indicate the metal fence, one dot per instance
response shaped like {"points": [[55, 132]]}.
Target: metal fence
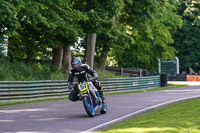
{"points": [[133, 83], [31, 90]]}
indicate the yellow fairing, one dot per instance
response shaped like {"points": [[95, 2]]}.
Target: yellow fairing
{"points": [[83, 87]]}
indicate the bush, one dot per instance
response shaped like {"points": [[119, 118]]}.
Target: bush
{"points": [[15, 71]]}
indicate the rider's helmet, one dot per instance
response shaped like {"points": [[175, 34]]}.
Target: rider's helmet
{"points": [[76, 63]]}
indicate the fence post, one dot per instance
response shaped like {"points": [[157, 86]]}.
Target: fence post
{"points": [[177, 65], [140, 72], [159, 66], [122, 73]]}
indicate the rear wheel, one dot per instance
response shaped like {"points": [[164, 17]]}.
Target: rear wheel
{"points": [[87, 103]]}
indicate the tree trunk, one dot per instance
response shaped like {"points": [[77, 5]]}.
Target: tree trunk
{"points": [[103, 57], [104, 53], [57, 57], [90, 48], [66, 59]]}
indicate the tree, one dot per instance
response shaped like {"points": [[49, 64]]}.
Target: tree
{"points": [[187, 38], [109, 40], [45, 25], [8, 12], [135, 32], [100, 14], [150, 25], [9, 21]]}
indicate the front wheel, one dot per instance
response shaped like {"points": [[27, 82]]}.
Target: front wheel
{"points": [[103, 109], [87, 103]]}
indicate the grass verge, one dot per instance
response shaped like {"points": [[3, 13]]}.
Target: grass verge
{"points": [[31, 101], [180, 117]]}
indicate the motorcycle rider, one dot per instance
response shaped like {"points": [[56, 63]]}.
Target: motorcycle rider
{"points": [[80, 72]]}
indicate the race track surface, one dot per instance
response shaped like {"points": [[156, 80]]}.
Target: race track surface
{"points": [[64, 116]]}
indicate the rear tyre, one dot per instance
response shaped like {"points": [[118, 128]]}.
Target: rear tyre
{"points": [[87, 103]]}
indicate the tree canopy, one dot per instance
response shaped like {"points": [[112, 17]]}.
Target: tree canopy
{"points": [[187, 38], [133, 33], [147, 28]]}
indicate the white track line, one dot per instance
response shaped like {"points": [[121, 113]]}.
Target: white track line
{"points": [[135, 113]]}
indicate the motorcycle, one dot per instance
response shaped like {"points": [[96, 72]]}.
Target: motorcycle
{"points": [[92, 100]]}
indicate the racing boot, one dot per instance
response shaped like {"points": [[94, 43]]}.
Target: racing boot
{"points": [[102, 96]]}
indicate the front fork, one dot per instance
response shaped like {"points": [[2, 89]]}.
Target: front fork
{"points": [[96, 96], [92, 94]]}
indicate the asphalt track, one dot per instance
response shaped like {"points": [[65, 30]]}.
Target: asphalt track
{"points": [[64, 116]]}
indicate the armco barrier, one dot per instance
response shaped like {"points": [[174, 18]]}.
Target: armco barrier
{"points": [[133, 83], [30, 90]]}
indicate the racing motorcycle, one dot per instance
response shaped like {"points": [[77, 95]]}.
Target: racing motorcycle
{"points": [[92, 100]]}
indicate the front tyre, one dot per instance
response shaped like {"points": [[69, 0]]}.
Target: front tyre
{"points": [[103, 109], [87, 103]]}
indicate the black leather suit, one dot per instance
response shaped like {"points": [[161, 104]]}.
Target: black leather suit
{"points": [[81, 75]]}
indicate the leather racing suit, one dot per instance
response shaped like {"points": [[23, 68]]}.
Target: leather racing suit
{"points": [[81, 75]]}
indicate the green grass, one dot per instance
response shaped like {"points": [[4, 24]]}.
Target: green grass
{"points": [[107, 74], [31, 101], [180, 117]]}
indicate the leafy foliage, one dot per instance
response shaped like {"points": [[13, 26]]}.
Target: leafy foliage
{"points": [[37, 71], [44, 25], [135, 33], [187, 38], [8, 12], [149, 24], [99, 14], [32, 71]]}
